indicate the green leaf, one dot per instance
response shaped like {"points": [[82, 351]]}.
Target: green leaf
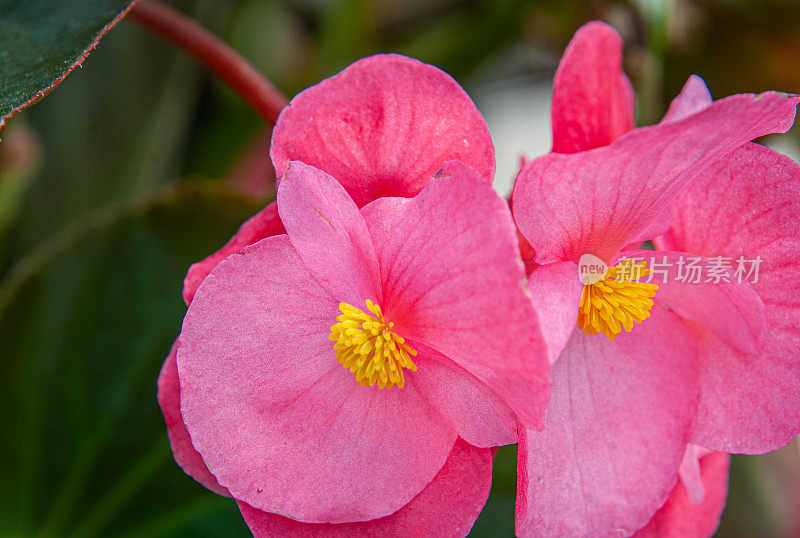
{"points": [[85, 323], [41, 41], [112, 130], [497, 518]]}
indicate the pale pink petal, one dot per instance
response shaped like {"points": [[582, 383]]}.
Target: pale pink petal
{"points": [[745, 206], [660, 225], [328, 232], [383, 127], [169, 399], [593, 101], [263, 224], [693, 97], [478, 415], [447, 507], [690, 476], [453, 280], [277, 420], [730, 309], [615, 432], [680, 517], [598, 201], [746, 400], [556, 293]]}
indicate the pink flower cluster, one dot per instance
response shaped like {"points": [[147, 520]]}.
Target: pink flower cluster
{"points": [[351, 357]]}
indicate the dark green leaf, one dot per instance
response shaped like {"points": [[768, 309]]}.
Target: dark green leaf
{"points": [[41, 41], [497, 518], [85, 323]]}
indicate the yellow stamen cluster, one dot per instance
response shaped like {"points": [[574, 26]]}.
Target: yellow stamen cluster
{"points": [[617, 301], [367, 347]]}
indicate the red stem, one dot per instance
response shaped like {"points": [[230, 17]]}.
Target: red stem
{"points": [[214, 53]]}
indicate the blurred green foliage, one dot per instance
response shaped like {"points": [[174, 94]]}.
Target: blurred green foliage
{"points": [[91, 271], [86, 319]]}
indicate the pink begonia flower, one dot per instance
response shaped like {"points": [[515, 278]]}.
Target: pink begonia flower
{"points": [[288, 429], [436, 121], [447, 506], [714, 364], [695, 505], [383, 127]]}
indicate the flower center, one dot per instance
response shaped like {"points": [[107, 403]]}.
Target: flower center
{"points": [[367, 347], [617, 301]]}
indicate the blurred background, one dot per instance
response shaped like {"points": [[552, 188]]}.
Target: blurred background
{"points": [[140, 163]]}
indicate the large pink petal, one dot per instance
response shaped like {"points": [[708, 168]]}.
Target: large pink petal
{"points": [[615, 432], [745, 206], [277, 420], [730, 309], [452, 279], [448, 506], [328, 232], [556, 293], [748, 402], [600, 200], [693, 97], [169, 399], [263, 224], [383, 127], [593, 101], [680, 517], [478, 415]]}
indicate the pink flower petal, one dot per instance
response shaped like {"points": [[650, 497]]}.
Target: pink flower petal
{"points": [[680, 517], [693, 97], [453, 280], [527, 253], [747, 401], [745, 206], [169, 399], [731, 310], [690, 476], [593, 101], [615, 432], [478, 415], [597, 201], [659, 226], [263, 224], [383, 127], [448, 506], [556, 293], [329, 234], [277, 420]]}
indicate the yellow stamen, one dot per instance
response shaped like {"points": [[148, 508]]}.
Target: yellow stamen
{"points": [[367, 346], [617, 301]]}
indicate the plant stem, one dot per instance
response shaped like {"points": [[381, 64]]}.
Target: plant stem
{"points": [[188, 35]]}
